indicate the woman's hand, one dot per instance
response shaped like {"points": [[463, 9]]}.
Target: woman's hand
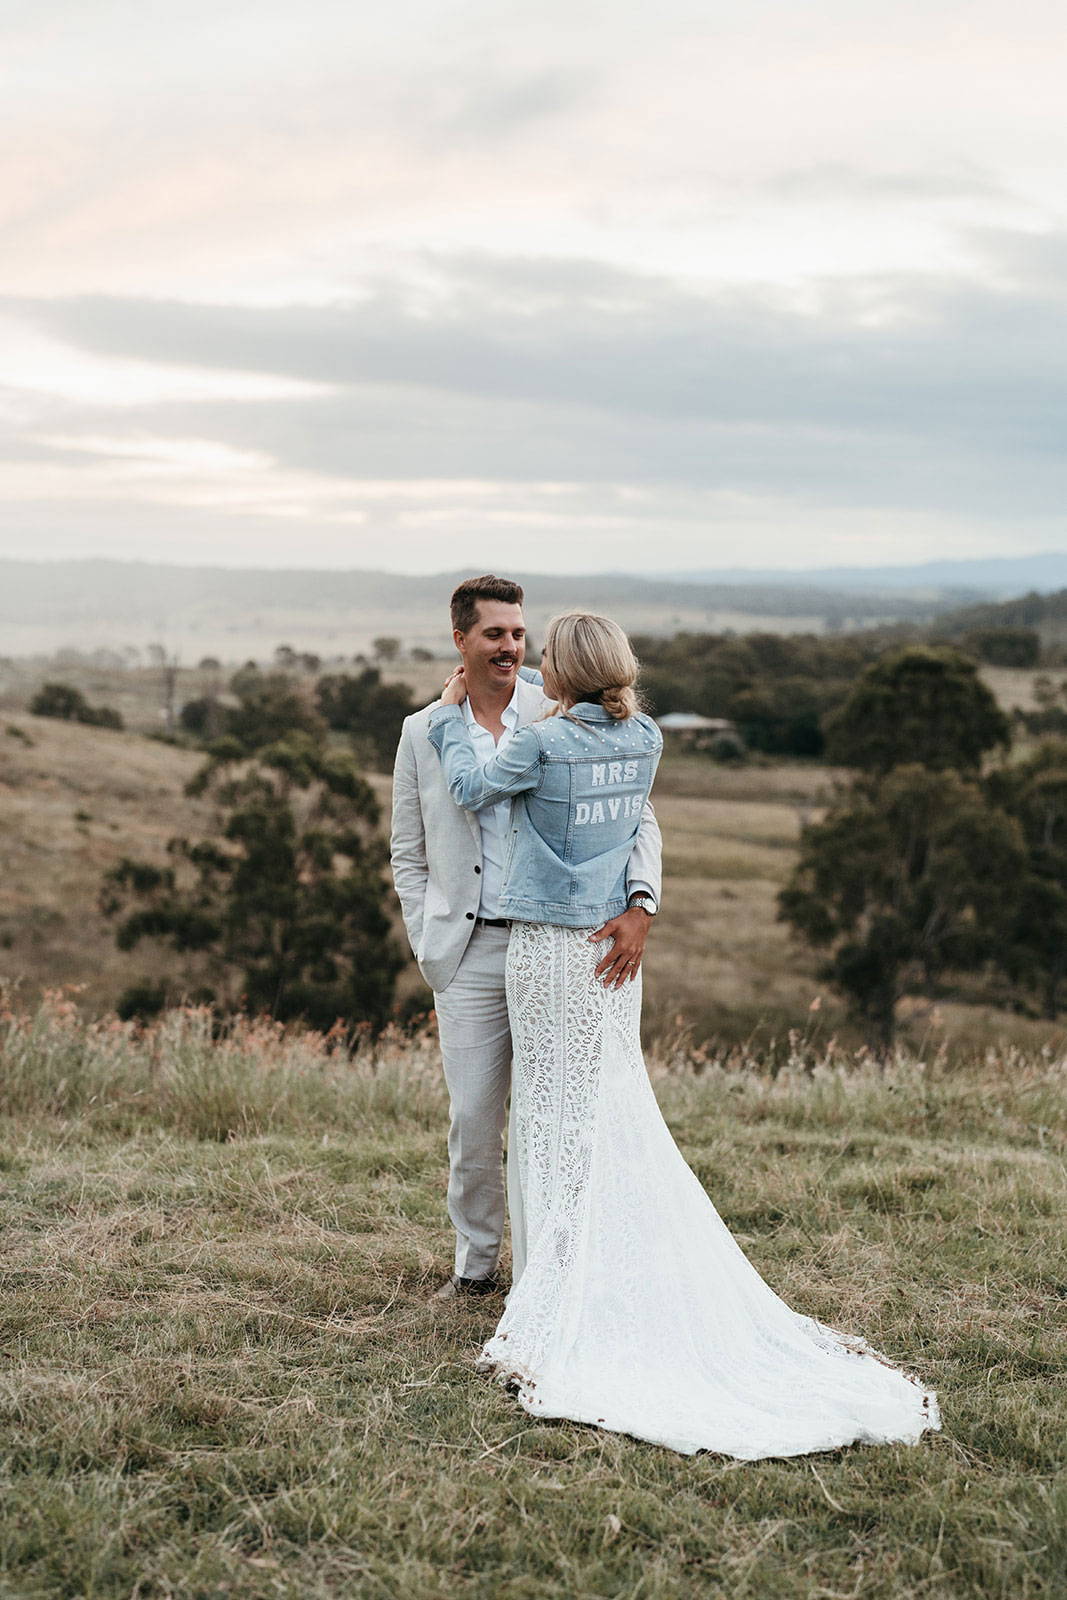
{"points": [[455, 690]]}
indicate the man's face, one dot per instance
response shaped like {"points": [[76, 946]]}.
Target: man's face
{"points": [[494, 648]]}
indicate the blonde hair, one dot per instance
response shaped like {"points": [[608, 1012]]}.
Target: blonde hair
{"points": [[589, 658]]}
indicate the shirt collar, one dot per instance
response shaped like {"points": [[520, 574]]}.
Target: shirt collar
{"points": [[509, 716]]}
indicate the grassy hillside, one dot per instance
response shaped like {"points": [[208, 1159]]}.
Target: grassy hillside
{"points": [[73, 800], [224, 1376]]}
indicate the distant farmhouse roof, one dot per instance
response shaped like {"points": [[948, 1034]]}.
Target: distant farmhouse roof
{"points": [[692, 722]]}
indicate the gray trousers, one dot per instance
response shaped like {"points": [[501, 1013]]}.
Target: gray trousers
{"points": [[472, 1020]]}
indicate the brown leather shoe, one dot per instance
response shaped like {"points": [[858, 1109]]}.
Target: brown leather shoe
{"points": [[457, 1288]]}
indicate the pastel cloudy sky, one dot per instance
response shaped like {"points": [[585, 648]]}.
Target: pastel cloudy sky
{"points": [[405, 285]]}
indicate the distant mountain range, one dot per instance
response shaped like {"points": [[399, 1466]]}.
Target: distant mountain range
{"points": [[996, 577], [237, 613]]}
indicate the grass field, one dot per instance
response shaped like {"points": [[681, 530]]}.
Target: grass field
{"points": [[223, 1376]]}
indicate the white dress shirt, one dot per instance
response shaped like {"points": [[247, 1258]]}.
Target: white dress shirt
{"points": [[492, 820]]}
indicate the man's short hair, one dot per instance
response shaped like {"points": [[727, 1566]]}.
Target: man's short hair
{"points": [[471, 590]]}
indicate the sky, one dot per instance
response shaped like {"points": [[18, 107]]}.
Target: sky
{"points": [[595, 285]]}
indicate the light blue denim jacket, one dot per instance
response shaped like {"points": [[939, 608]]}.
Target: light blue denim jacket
{"points": [[578, 784]]}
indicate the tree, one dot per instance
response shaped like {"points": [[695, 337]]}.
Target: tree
{"points": [[1005, 647], [1033, 948], [903, 880], [204, 718], [781, 717], [386, 649], [924, 705], [271, 706], [286, 659], [369, 711], [286, 901], [777, 689]]}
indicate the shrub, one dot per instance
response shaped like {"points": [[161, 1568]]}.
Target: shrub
{"points": [[142, 1002], [63, 701], [727, 747]]}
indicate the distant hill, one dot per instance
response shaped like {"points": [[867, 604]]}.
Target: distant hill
{"points": [[997, 577], [236, 613]]}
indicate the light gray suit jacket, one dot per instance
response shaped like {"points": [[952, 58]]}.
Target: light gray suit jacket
{"points": [[436, 847]]}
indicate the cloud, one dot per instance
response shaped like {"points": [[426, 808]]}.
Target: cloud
{"points": [[889, 389], [1034, 260], [841, 181], [481, 103]]}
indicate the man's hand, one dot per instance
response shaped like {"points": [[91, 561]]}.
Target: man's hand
{"points": [[628, 934], [455, 690]]}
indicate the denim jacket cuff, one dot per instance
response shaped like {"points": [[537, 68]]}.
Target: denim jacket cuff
{"points": [[439, 716]]}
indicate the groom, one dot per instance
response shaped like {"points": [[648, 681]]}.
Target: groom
{"points": [[447, 867]]}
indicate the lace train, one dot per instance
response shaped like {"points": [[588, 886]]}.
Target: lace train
{"points": [[633, 1307]]}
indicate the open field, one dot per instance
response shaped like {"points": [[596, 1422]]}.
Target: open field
{"points": [[1014, 686], [223, 1375], [74, 800]]}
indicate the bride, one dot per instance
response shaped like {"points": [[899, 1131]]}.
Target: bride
{"points": [[632, 1306]]}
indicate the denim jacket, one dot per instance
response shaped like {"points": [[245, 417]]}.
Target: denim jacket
{"points": [[578, 784]]}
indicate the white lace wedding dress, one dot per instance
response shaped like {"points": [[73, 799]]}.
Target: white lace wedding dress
{"points": [[633, 1307]]}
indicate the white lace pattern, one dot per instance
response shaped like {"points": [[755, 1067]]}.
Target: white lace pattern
{"points": [[633, 1307]]}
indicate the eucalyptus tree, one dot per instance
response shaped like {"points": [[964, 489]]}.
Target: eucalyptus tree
{"points": [[902, 881], [925, 705], [285, 903]]}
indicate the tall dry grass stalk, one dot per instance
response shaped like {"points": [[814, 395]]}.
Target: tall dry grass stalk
{"points": [[211, 1079]]}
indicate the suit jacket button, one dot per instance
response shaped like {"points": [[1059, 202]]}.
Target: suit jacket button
{"points": [[470, 916], [477, 869]]}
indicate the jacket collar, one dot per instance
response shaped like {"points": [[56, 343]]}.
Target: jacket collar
{"points": [[589, 711]]}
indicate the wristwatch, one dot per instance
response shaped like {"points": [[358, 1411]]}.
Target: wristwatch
{"points": [[642, 902]]}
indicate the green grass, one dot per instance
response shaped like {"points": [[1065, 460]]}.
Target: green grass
{"points": [[223, 1374]]}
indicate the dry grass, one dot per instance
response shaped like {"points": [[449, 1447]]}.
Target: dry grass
{"points": [[1014, 686], [73, 801], [223, 1375], [799, 783]]}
